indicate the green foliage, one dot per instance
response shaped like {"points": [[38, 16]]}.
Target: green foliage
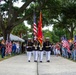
{"points": [[66, 9], [47, 33], [51, 10], [23, 0], [0, 33], [57, 33], [54, 38], [75, 32], [70, 10], [15, 0], [20, 29]]}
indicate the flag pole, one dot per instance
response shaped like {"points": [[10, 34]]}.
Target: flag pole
{"points": [[34, 23]]}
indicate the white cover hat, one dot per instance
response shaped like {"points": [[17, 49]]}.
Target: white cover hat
{"points": [[29, 38], [47, 37]]}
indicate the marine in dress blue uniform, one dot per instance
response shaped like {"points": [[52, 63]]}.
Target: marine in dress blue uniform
{"points": [[46, 46], [40, 48], [29, 48], [35, 48]]}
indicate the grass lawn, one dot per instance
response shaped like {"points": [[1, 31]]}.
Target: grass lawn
{"points": [[6, 57], [69, 59], [0, 57]]}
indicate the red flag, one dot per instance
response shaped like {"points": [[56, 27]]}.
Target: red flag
{"points": [[40, 36]]}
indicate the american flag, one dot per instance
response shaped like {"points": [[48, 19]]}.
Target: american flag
{"points": [[34, 27], [8, 45], [65, 44]]}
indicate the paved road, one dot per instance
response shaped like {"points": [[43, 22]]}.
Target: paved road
{"points": [[18, 65], [57, 66]]}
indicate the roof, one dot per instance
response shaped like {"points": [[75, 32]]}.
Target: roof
{"points": [[14, 38]]}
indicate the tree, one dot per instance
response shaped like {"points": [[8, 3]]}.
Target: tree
{"points": [[11, 16], [64, 15], [75, 32], [47, 33], [20, 30], [57, 33], [60, 13], [54, 12], [50, 10], [67, 17]]}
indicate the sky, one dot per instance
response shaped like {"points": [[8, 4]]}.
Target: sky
{"points": [[19, 4]]}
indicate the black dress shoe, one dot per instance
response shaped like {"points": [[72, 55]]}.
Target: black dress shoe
{"points": [[48, 61], [40, 61], [35, 60], [28, 60]]}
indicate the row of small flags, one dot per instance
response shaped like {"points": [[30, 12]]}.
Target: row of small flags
{"points": [[65, 42], [70, 40]]}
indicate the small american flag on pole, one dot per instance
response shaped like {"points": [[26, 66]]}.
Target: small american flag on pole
{"points": [[34, 27], [65, 44]]}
